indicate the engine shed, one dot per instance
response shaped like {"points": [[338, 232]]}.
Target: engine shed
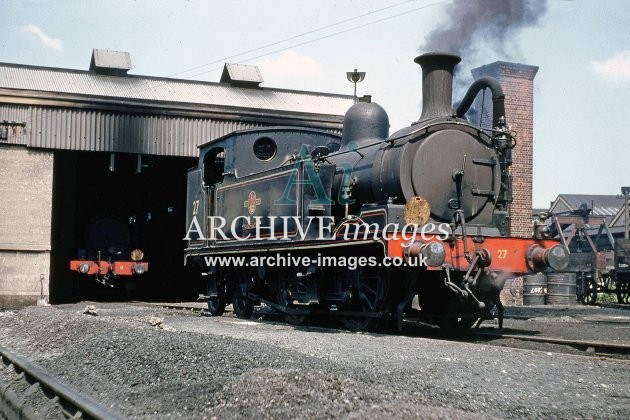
{"points": [[75, 145]]}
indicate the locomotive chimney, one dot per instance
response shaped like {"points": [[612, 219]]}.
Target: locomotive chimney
{"points": [[437, 84]]}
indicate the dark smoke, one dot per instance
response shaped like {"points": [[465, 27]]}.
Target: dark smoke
{"points": [[472, 24], [483, 31]]}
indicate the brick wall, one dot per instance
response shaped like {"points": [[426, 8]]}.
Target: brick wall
{"points": [[26, 177], [517, 81]]}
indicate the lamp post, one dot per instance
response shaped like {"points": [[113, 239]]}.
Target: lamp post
{"points": [[355, 77]]}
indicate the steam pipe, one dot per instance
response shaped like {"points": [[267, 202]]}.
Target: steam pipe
{"points": [[498, 98]]}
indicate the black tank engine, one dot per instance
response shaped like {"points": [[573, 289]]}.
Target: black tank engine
{"points": [[357, 225]]}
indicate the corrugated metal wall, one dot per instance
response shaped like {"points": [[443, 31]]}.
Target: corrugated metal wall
{"points": [[19, 114], [90, 130]]}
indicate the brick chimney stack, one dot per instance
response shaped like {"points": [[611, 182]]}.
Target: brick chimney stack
{"points": [[517, 81]]}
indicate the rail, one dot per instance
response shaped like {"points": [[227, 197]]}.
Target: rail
{"points": [[588, 346], [72, 403]]}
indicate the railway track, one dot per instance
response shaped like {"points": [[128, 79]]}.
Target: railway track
{"points": [[597, 348], [29, 392], [504, 339]]}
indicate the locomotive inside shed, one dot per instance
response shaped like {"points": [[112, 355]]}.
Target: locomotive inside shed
{"points": [[143, 198]]}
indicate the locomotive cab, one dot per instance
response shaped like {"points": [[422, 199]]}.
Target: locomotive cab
{"points": [[251, 184]]}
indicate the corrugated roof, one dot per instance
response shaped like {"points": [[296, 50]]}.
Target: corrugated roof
{"points": [[602, 205], [144, 88], [609, 206]]}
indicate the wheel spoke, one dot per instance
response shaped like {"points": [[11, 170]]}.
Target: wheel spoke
{"points": [[367, 303], [369, 297], [369, 291], [283, 299], [623, 289], [242, 283], [216, 305]]}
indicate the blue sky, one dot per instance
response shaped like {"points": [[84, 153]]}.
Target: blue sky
{"points": [[582, 90]]}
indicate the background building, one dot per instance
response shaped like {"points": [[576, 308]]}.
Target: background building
{"points": [[611, 207], [78, 144]]}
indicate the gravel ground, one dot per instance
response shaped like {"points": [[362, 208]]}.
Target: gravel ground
{"points": [[154, 363], [590, 323]]}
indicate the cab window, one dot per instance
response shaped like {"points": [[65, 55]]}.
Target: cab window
{"points": [[213, 166]]}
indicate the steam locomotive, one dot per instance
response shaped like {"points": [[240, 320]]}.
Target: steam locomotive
{"points": [[108, 251], [358, 225]]}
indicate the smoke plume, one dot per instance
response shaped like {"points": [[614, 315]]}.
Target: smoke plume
{"points": [[483, 31]]}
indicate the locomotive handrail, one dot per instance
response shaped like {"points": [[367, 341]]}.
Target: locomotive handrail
{"points": [[426, 128]]}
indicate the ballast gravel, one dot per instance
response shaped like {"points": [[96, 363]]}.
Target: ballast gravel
{"points": [[147, 362]]}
